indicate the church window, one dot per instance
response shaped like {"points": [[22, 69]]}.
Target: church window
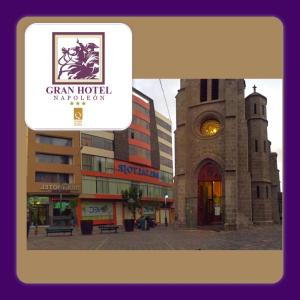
{"points": [[215, 89], [210, 127], [255, 108], [256, 146], [203, 90], [257, 192]]}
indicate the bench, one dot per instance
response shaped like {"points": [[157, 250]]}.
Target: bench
{"points": [[59, 229], [108, 227]]}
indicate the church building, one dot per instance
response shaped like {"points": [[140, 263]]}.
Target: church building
{"points": [[225, 172]]}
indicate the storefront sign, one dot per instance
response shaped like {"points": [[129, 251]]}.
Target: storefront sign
{"points": [[129, 169], [97, 211], [60, 187], [32, 200]]}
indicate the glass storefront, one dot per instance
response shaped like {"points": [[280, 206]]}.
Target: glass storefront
{"points": [[47, 210], [38, 210], [93, 210], [100, 185]]}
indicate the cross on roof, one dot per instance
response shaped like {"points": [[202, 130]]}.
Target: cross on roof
{"points": [[254, 88]]}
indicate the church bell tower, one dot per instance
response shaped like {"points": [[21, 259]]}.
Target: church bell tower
{"points": [[212, 178]]}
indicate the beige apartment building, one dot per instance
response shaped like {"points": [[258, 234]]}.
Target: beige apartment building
{"points": [[53, 175]]}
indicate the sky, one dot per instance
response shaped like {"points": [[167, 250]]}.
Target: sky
{"points": [[270, 88]]}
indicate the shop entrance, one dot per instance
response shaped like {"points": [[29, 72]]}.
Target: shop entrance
{"points": [[40, 214], [210, 206]]}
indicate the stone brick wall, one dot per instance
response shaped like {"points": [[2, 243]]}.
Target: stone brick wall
{"points": [[233, 149]]}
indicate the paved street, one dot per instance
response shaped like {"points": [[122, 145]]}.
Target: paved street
{"points": [[162, 238]]}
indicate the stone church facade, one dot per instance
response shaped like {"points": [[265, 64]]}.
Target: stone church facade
{"points": [[225, 172]]}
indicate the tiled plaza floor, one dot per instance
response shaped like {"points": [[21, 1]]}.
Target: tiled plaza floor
{"points": [[162, 238]]}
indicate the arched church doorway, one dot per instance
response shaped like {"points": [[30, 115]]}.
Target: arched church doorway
{"points": [[210, 195]]}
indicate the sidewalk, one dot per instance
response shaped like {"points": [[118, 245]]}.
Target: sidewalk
{"points": [[162, 238]]}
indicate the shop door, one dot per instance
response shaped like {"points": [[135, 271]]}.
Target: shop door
{"points": [[40, 215]]}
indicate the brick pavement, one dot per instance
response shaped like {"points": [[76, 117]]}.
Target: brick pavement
{"points": [[162, 238]]}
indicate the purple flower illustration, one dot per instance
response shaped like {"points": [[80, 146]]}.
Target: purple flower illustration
{"points": [[79, 62]]}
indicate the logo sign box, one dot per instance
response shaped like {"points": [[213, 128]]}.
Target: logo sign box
{"points": [[78, 76]]}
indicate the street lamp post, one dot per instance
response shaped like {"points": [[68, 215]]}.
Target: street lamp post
{"points": [[166, 220]]}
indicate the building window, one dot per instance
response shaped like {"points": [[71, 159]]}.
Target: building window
{"points": [[215, 89], [97, 163], [203, 90], [100, 185], [164, 136], [51, 140], [265, 146], [257, 192], [267, 192], [163, 124], [140, 108], [255, 108], [165, 148], [166, 162], [166, 177], [89, 185], [140, 122], [256, 146], [109, 165], [53, 159], [53, 177], [87, 162], [96, 142], [134, 150], [133, 134], [263, 109], [210, 127]]}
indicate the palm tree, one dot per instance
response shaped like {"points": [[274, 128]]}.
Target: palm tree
{"points": [[132, 198]]}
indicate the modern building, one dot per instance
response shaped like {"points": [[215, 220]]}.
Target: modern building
{"points": [[139, 156], [225, 172], [87, 171]]}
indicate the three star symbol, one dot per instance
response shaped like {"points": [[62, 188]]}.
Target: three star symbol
{"points": [[77, 103]]}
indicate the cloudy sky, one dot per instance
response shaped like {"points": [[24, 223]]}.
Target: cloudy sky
{"points": [[271, 88]]}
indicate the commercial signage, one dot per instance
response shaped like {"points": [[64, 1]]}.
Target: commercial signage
{"points": [[97, 211], [57, 187], [38, 200], [129, 169]]}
